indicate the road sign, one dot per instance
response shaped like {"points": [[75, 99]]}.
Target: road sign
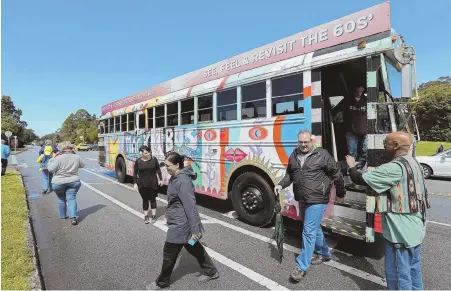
{"points": [[8, 134]]}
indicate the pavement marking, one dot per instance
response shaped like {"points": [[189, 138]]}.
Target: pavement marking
{"points": [[334, 264], [13, 160], [254, 276], [92, 159], [439, 223], [441, 194]]}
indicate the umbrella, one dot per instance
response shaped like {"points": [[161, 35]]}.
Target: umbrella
{"points": [[279, 229]]}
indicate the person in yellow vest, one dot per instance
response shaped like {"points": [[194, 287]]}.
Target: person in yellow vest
{"points": [[401, 196], [48, 153]]}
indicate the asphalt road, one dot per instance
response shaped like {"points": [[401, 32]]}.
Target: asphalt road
{"points": [[112, 248]]}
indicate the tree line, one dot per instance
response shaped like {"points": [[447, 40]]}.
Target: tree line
{"points": [[11, 121]]}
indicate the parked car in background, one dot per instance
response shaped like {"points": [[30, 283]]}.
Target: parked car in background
{"points": [[81, 147], [436, 165]]}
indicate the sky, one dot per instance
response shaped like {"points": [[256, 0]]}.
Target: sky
{"points": [[60, 56]]}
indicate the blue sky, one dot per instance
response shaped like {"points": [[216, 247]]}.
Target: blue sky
{"points": [[60, 56]]}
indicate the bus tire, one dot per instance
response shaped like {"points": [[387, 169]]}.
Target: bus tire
{"points": [[253, 199], [121, 173]]}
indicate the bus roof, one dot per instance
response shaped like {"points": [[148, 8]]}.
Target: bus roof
{"points": [[361, 24]]}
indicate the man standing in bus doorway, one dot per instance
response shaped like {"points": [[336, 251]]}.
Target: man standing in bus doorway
{"points": [[355, 119], [401, 184], [312, 171]]}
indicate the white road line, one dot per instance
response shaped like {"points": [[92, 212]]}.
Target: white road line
{"points": [[439, 223], [92, 159], [337, 265], [254, 276]]}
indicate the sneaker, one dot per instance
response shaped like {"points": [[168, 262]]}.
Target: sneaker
{"points": [[297, 275], [44, 191], [146, 219], [64, 217], [153, 218], [74, 221], [319, 259], [205, 278], [154, 286]]}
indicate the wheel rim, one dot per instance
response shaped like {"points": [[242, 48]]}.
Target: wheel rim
{"points": [[252, 200], [425, 171]]}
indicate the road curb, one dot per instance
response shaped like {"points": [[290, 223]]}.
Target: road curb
{"points": [[36, 280]]}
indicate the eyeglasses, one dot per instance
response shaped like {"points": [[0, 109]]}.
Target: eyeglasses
{"points": [[304, 142]]}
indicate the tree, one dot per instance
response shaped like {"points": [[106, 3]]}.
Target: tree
{"points": [[28, 136], [11, 121], [433, 110], [77, 125]]}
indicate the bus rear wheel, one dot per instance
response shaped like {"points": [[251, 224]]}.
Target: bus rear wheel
{"points": [[253, 199], [120, 170]]}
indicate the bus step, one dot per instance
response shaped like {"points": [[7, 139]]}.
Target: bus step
{"points": [[355, 188], [345, 226], [352, 204]]}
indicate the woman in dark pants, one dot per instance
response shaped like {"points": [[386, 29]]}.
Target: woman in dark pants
{"points": [[183, 222], [145, 179]]}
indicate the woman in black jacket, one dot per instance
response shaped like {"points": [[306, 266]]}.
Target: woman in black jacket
{"points": [[146, 181], [184, 225]]}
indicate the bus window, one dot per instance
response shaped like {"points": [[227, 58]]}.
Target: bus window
{"points": [[106, 126], [253, 101], [149, 117], [188, 111], [142, 120], [131, 121], [117, 124], [227, 105], [123, 122], [159, 116], [173, 114], [287, 95], [205, 109], [111, 125]]}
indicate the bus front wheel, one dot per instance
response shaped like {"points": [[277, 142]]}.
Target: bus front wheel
{"points": [[253, 199], [120, 170]]}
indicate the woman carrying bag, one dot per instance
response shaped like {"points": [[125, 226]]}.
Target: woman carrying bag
{"points": [[184, 225], [146, 181]]}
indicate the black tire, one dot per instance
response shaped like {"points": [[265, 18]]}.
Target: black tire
{"points": [[121, 173], [252, 190], [427, 171]]}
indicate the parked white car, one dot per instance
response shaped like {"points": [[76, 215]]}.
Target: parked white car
{"points": [[436, 165]]}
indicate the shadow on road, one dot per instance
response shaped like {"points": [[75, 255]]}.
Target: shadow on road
{"points": [[83, 213]]}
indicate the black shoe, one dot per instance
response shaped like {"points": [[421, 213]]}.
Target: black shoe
{"points": [[74, 221], [154, 286], [319, 259], [146, 219], [297, 275], [44, 191], [206, 278]]}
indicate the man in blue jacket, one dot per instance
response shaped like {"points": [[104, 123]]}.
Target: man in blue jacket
{"points": [[6, 151]]}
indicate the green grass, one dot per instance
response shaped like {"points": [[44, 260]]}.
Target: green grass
{"points": [[16, 259], [427, 148]]}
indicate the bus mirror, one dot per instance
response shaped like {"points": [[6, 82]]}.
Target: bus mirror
{"points": [[406, 79]]}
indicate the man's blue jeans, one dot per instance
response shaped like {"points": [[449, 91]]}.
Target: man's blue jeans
{"points": [[47, 179], [67, 192], [312, 236], [403, 267], [354, 142]]}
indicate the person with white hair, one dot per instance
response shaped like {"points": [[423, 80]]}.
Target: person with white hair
{"points": [[6, 151], [66, 181]]}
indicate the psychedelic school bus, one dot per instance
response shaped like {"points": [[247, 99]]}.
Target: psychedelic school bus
{"points": [[237, 120]]}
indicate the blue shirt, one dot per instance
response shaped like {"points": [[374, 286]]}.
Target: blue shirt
{"points": [[6, 151]]}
